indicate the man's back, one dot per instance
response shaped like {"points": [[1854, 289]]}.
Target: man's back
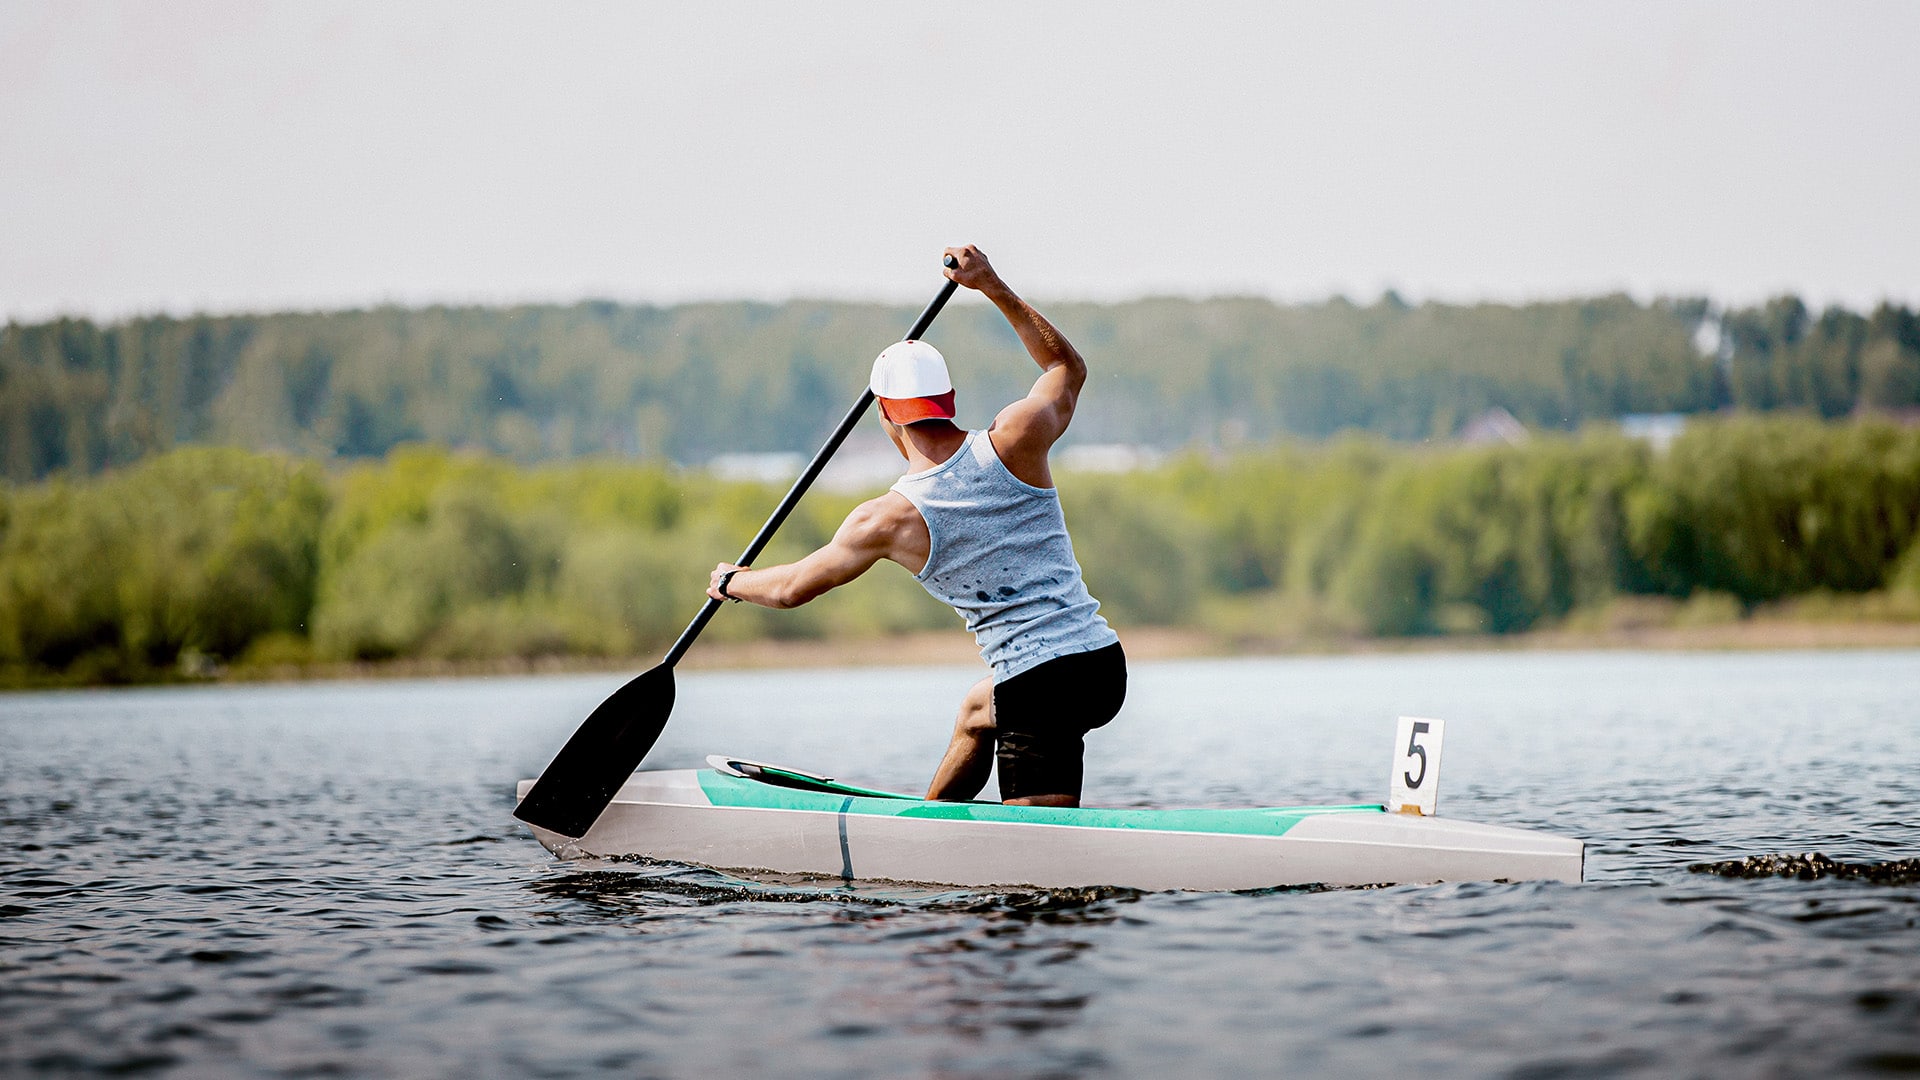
{"points": [[999, 555]]}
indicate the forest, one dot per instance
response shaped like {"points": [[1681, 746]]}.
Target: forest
{"points": [[675, 386], [200, 557]]}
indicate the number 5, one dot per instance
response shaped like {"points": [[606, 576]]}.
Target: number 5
{"points": [[1420, 727], [1414, 787]]}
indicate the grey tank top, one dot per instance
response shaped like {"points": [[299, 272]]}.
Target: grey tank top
{"points": [[1001, 558]]}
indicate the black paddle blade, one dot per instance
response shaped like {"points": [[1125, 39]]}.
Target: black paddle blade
{"points": [[602, 754]]}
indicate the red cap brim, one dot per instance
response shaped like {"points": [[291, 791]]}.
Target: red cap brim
{"points": [[915, 409]]}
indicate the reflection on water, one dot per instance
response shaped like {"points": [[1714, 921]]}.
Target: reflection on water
{"points": [[641, 880], [325, 880], [963, 951]]}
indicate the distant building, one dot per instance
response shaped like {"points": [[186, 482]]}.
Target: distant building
{"points": [[1496, 425], [1109, 457], [1904, 415], [1657, 430], [771, 468], [866, 465]]}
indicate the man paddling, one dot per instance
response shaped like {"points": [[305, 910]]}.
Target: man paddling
{"points": [[977, 521]]}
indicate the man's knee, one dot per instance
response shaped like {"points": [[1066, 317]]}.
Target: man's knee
{"points": [[976, 712]]}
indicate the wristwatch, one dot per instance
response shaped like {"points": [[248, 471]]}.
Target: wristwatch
{"points": [[728, 577]]}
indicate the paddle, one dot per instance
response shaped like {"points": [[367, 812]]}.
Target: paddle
{"points": [[605, 750]]}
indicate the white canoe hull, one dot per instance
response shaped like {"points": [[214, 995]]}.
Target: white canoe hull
{"points": [[666, 815]]}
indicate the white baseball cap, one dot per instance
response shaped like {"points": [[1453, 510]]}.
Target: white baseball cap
{"points": [[910, 379]]}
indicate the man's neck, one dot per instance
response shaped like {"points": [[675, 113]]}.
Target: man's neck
{"points": [[930, 445]]}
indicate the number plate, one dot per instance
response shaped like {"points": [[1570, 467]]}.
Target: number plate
{"points": [[1415, 786]]}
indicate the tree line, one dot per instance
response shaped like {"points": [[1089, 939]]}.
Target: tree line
{"points": [[680, 384], [211, 555]]}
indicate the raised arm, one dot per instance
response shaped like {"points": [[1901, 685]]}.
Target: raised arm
{"points": [[1025, 430]]}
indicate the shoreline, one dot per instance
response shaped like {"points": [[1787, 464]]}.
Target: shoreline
{"points": [[1143, 644]]}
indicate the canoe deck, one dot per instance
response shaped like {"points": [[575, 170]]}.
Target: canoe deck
{"points": [[804, 824]]}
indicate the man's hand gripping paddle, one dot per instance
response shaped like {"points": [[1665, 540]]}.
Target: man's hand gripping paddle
{"points": [[605, 750]]}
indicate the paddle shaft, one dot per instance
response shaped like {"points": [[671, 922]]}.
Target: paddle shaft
{"points": [[800, 486]]}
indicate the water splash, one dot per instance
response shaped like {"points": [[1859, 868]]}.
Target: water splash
{"points": [[1812, 866]]}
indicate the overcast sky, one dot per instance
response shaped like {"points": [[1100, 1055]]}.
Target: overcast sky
{"points": [[205, 156]]}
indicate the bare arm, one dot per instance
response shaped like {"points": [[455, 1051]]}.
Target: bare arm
{"points": [[1025, 430], [876, 530]]}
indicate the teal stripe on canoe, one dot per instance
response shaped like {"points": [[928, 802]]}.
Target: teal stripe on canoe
{"points": [[724, 790]]}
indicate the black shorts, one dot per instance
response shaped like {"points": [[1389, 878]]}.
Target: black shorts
{"points": [[1041, 715]]}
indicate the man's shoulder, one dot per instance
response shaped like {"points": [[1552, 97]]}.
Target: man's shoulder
{"points": [[1029, 425], [1022, 442], [883, 513], [888, 526]]}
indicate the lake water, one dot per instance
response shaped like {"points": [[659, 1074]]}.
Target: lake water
{"points": [[324, 880]]}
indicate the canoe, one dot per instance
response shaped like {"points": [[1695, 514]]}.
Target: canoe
{"points": [[739, 815]]}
